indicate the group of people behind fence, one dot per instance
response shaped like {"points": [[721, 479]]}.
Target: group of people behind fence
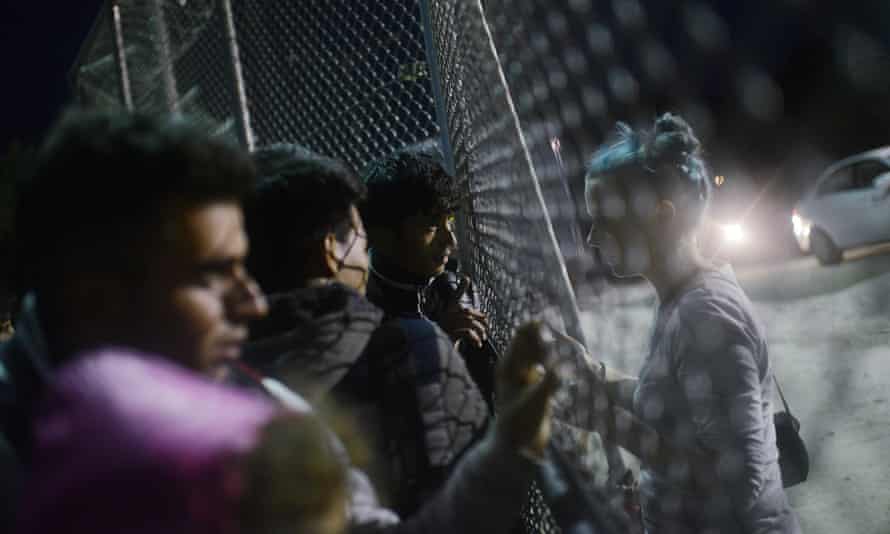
{"points": [[216, 341]]}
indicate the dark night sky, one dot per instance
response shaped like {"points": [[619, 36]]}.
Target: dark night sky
{"points": [[39, 41]]}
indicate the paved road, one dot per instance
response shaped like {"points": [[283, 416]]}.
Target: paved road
{"points": [[829, 334]]}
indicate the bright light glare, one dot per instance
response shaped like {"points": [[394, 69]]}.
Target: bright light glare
{"points": [[733, 233], [800, 225]]}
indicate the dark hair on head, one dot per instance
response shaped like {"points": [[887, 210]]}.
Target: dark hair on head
{"points": [[299, 197], [409, 182], [107, 183], [668, 157]]}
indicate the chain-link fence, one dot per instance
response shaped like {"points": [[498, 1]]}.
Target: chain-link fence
{"points": [[352, 80], [343, 78], [521, 221], [161, 56], [519, 93], [346, 79], [772, 89]]}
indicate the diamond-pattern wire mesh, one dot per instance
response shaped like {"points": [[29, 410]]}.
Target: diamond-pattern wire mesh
{"points": [[96, 79], [509, 239], [350, 79], [367, 95], [344, 78], [507, 242], [572, 67], [177, 59]]}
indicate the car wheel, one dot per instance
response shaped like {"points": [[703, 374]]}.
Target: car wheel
{"points": [[824, 248]]}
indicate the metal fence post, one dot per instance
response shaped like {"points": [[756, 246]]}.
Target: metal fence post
{"points": [[242, 112], [165, 58], [120, 54], [432, 61]]}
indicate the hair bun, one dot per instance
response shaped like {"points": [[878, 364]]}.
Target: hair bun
{"points": [[672, 138]]}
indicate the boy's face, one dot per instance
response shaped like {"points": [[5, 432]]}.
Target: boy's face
{"points": [[424, 243], [197, 297]]}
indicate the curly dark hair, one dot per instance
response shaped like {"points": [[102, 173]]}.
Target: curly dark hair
{"points": [[106, 181], [409, 182], [300, 196]]}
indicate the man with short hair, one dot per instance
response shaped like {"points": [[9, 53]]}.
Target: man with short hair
{"points": [[131, 235], [420, 408], [410, 213]]}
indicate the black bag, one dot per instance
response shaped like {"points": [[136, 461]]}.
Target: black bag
{"points": [[794, 460]]}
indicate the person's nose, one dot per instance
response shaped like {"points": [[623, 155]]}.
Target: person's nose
{"points": [[249, 302], [448, 238]]}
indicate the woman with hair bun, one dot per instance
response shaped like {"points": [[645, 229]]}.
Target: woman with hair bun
{"points": [[699, 413]]}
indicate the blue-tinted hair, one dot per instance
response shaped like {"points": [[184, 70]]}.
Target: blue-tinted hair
{"points": [[668, 157]]}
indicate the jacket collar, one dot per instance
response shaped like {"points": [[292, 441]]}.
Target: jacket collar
{"points": [[397, 292]]}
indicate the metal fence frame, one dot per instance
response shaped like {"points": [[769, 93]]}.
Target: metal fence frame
{"points": [[109, 20]]}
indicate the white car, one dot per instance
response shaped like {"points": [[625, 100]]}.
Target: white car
{"points": [[848, 206]]}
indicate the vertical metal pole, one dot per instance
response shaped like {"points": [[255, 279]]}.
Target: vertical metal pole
{"points": [[573, 325], [120, 54], [168, 77], [242, 115], [432, 61]]}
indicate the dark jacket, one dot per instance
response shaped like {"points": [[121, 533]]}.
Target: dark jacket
{"points": [[598, 465], [417, 402], [401, 295]]}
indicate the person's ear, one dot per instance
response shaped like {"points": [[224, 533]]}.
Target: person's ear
{"points": [[328, 251], [665, 210]]}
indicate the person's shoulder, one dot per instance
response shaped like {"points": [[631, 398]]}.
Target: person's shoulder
{"points": [[413, 329], [331, 300], [412, 335], [716, 312], [716, 293]]}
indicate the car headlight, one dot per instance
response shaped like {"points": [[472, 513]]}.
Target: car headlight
{"points": [[733, 233], [800, 225]]}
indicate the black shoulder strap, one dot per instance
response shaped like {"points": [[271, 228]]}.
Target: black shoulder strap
{"points": [[781, 395]]}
